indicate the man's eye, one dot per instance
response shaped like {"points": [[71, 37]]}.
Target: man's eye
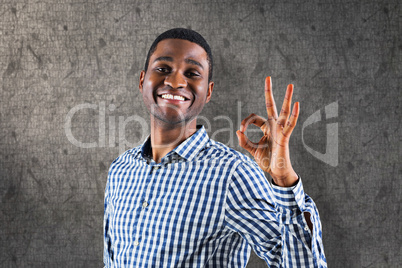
{"points": [[162, 70], [191, 74]]}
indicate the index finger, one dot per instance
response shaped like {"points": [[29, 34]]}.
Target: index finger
{"points": [[269, 100], [251, 119]]}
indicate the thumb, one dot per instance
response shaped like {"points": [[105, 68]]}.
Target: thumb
{"points": [[245, 143]]}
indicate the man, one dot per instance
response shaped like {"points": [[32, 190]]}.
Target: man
{"points": [[184, 200]]}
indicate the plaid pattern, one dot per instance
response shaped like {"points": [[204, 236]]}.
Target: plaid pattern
{"points": [[204, 205]]}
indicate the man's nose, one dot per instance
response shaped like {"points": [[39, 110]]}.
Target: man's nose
{"points": [[176, 80]]}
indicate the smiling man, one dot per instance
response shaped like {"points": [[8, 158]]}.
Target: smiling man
{"points": [[184, 200]]}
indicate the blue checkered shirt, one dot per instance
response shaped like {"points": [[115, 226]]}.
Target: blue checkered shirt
{"points": [[204, 205]]}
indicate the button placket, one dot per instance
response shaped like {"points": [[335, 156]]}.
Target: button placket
{"points": [[145, 196]]}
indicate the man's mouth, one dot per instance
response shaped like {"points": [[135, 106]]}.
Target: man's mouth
{"points": [[173, 97]]}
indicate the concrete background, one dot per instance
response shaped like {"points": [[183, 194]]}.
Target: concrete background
{"points": [[57, 54]]}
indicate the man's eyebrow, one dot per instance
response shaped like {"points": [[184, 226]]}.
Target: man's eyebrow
{"points": [[170, 59], [194, 62], [164, 58]]}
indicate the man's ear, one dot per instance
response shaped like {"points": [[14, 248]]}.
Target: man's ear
{"points": [[142, 76], [210, 89]]}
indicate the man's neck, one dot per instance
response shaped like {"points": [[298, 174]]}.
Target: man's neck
{"points": [[164, 137]]}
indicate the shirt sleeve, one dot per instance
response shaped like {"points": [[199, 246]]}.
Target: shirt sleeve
{"points": [[107, 252], [271, 219]]}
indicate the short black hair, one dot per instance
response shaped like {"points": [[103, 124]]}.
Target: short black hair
{"points": [[185, 34]]}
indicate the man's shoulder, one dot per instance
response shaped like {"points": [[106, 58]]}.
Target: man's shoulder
{"points": [[242, 166], [225, 153], [129, 155]]}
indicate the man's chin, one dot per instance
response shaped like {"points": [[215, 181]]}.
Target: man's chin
{"points": [[172, 120]]}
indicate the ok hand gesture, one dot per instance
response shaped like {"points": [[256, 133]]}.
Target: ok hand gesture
{"points": [[272, 152]]}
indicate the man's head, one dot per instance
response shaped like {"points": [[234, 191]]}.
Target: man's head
{"points": [[175, 85], [184, 34]]}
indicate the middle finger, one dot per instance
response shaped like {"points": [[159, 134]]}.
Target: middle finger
{"points": [[285, 111]]}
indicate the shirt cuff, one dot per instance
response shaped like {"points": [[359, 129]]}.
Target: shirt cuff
{"points": [[290, 197]]}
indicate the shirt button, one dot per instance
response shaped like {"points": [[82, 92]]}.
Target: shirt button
{"points": [[136, 243], [144, 204], [306, 228]]}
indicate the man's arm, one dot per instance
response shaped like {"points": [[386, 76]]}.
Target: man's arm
{"points": [[271, 219], [272, 155]]}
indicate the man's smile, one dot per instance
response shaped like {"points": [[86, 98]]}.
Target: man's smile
{"points": [[173, 98]]}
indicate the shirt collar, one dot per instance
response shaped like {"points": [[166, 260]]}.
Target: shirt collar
{"points": [[188, 149]]}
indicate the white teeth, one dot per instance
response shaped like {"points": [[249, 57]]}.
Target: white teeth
{"points": [[178, 98], [172, 97], [167, 96]]}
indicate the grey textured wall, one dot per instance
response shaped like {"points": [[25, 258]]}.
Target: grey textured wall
{"points": [[57, 54]]}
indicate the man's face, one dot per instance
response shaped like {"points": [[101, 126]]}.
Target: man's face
{"points": [[175, 87]]}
